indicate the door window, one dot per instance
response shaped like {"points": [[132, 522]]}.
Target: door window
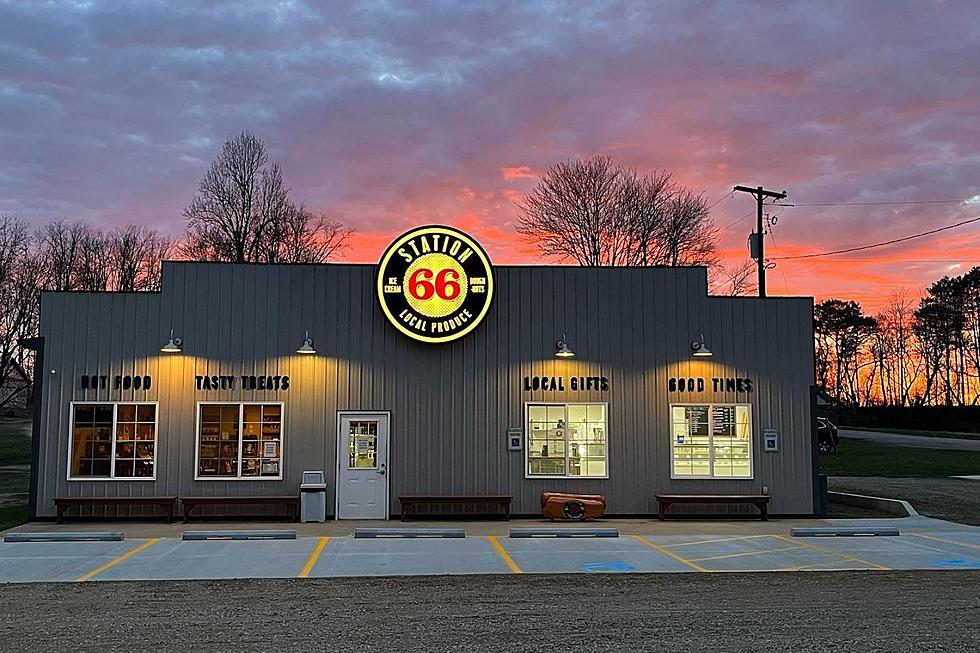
{"points": [[362, 444]]}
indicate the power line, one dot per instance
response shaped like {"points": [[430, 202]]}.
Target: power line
{"points": [[887, 242], [781, 270], [747, 215], [750, 213], [963, 201], [881, 260], [717, 202]]}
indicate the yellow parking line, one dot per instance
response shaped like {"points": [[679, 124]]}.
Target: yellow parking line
{"points": [[939, 539], [115, 561], [746, 553], [724, 539], [514, 569], [317, 550], [838, 554], [669, 554]]}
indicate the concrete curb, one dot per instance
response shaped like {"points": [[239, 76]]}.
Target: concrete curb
{"points": [[891, 506]]}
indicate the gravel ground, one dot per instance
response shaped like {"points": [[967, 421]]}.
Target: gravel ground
{"points": [[843, 511], [954, 499], [835, 611]]}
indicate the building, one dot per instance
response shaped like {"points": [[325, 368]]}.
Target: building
{"points": [[432, 372]]}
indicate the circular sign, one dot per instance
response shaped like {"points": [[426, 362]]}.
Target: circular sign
{"points": [[435, 283]]}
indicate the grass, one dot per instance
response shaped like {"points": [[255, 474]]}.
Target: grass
{"points": [[15, 450], [12, 515], [15, 441], [925, 434], [860, 458]]}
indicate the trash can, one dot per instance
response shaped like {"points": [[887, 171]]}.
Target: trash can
{"points": [[313, 497]]}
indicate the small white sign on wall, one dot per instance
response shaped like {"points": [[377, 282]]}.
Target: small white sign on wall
{"points": [[770, 440], [515, 439]]}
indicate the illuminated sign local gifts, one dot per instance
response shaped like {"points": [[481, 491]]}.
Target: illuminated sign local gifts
{"points": [[435, 284]]}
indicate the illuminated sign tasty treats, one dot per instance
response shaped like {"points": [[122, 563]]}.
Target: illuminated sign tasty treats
{"points": [[435, 283]]}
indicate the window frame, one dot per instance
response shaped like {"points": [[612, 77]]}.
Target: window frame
{"points": [[712, 477], [241, 432], [112, 454], [565, 405]]}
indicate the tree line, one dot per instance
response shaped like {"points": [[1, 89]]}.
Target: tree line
{"points": [[911, 353]]}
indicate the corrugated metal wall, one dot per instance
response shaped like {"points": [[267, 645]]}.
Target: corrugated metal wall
{"points": [[450, 404]]}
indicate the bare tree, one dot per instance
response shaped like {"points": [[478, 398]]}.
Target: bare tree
{"points": [[899, 366], [302, 236], [595, 212], [136, 253], [93, 267], [687, 236], [22, 274], [574, 213], [77, 256], [242, 210], [737, 279], [60, 242]]}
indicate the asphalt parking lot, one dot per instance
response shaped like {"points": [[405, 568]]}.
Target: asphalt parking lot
{"points": [[924, 544]]}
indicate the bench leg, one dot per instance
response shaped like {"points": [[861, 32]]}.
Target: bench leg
{"points": [[764, 509], [61, 514], [661, 510], [187, 512]]}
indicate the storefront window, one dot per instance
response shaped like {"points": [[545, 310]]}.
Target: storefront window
{"points": [[711, 441], [239, 441], [113, 441], [566, 440]]}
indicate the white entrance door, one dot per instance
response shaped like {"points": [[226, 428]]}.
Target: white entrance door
{"points": [[362, 466]]}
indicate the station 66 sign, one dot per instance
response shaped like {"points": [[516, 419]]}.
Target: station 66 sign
{"points": [[435, 284]]}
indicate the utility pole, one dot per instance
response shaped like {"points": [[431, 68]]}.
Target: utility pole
{"points": [[760, 194]]}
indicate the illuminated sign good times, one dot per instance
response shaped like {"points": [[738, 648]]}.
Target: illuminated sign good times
{"points": [[435, 284]]}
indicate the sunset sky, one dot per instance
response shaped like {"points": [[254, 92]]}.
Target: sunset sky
{"points": [[391, 114]]}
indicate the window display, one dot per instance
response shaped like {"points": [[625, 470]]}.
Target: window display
{"points": [[113, 441], [240, 441], [566, 440], [711, 441]]}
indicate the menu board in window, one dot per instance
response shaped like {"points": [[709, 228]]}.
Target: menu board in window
{"points": [[697, 420], [723, 420]]}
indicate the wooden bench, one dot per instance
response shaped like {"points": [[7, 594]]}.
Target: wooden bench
{"points": [[189, 503], [761, 501], [169, 504], [501, 500]]}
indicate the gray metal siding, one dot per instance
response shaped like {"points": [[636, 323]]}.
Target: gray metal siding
{"points": [[450, 404]]}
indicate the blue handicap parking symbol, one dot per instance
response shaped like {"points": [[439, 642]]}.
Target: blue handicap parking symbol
{"points": [[956, 563], [616, 566]]}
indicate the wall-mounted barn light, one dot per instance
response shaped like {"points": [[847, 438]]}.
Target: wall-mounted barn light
{"points": [[698, 348], [174, 345], [562, 350], [307, 346]]}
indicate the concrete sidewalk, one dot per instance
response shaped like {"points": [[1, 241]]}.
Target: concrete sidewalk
{"points": [[921, 441], [345, 528]]}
